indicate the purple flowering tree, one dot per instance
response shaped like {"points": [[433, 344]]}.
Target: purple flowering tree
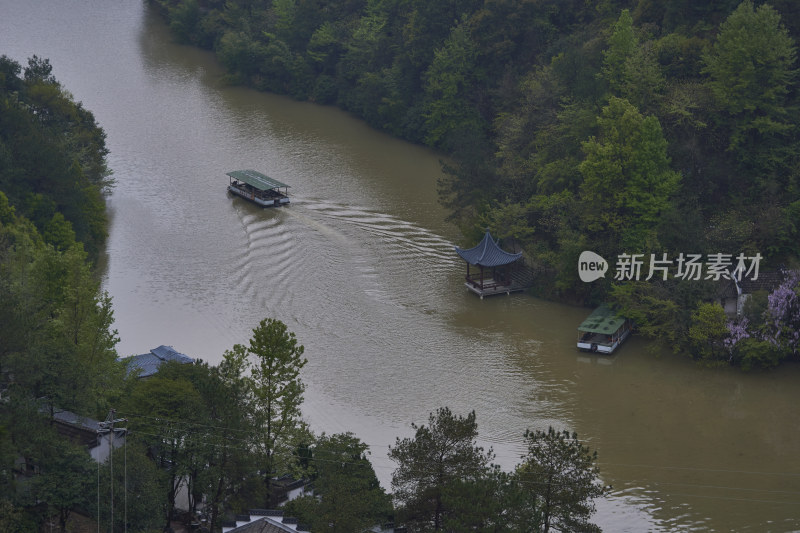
{"points": [[765, 344], [737, 331], [783, 314]]}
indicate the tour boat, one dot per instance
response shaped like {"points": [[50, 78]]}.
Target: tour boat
{"points": [[258, 188], [603, 331]]}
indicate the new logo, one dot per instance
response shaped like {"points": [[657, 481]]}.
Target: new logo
{"points": [[591, 266]]}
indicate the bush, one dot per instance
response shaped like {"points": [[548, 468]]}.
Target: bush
{"points": [[753, 353], [325, 91]]}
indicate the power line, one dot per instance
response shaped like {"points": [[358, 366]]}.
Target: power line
{"points": [[646, 466], [287, 455], [698, 469]]}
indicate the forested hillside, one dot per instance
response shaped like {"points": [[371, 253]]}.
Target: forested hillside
{"points": [[52, 157], [57, 345], [621, 127]]}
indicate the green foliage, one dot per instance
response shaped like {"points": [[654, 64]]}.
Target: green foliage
{"points": [[449, 81], [58, 341], [650, 307], [66, 481], [756, 354], [59, 232], [215, 430], [347, 495], [145, 484], [750, 69], [52, 157], [217, 466], [630, 68], [707, 331], [621, 46], [492, 504], [274, 359], [439, 455], [560, 476], [240, 53], [189, 26], [13, 518], [163, 406], [755, 306], [628, 182], [57, 345]]}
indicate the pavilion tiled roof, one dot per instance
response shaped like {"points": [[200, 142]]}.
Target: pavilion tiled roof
{"points": [[487, 253]]}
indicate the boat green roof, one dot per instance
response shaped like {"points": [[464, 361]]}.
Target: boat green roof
{"points": [[602, 320], [256, 179]]}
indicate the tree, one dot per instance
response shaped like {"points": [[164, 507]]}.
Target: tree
{"points": [[628, 182], [57, 336], [750, 73], [277, 391], [222, 456], [347, 495], [560, 477], [707, 331], [66, 480], [52, 156], [491, 503], [783, 315], [437, 457], [772, 332], [622, 44], [163, 409], [630, 68], [139, 486], [448, 89]]}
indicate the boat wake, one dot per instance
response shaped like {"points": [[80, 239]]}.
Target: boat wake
{"points": [[354, 251], [394, 239]]}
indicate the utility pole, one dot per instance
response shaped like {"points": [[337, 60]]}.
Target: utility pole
{"points": [[107, 427]]}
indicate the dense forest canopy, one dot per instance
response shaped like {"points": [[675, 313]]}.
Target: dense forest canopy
{"points": [[52, 157], [621, 127], [57, 345]]}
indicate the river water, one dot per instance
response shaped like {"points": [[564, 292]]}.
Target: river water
{"points": [[361, 268]]}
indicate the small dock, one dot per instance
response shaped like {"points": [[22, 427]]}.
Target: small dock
{"points": [[521, 279], [491, 288]]}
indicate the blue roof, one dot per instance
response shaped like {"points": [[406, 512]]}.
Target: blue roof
{"points": [[487, 253], [147, 363]]}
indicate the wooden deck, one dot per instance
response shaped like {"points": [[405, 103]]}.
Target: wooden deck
{"points": [[521, 279], [491, 288]]}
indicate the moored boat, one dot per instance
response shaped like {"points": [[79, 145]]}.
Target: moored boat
{"points": [[258, 188], [603, 331]]}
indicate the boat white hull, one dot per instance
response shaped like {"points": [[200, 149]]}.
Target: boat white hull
{"points": [[602, 347], [272, 202]]}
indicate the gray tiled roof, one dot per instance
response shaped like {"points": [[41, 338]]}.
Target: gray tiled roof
{"points": [[147, 363], [767, 281], [261, 526], [68, 417], [266, 521], [487, 253]]}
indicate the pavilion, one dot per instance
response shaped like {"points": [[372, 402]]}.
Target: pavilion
{"points": [[496, 268]]}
